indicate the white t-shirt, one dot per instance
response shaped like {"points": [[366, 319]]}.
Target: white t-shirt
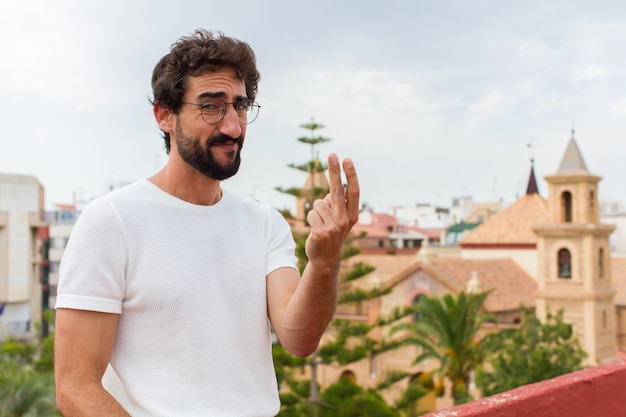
{"points": [[189, 283]]}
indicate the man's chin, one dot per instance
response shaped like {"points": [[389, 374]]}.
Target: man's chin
{"points": [[223, 172]]}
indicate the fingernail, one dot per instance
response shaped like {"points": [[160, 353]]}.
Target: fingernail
{"points": [[333, 159]]}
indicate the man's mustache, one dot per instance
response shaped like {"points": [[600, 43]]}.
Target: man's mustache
{"points": [[220, 139]]}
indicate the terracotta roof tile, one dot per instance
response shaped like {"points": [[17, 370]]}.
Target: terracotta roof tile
{"points": [[512, 225], [387, 266], [510, 284]]}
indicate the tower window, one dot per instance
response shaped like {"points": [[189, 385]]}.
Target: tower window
{"points": [[564, 260], [566, 206], [601, 263]]}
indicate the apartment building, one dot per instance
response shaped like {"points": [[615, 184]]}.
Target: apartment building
{"points": [[21, 220]]}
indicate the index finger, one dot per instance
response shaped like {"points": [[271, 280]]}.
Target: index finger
{"points": [[352, 191], [334, 179]]}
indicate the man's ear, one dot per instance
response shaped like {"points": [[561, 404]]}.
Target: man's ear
{"points": [[164, 117]]}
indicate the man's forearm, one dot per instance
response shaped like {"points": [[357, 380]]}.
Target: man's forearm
{"points": [[310, 310], [88, 402]]}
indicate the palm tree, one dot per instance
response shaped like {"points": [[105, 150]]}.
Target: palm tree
{"points": [[446, 329]]}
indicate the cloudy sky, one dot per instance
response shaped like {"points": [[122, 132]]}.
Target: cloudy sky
{"points": [[432, 99]]}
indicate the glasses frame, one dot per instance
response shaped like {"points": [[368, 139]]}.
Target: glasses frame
{"points": [[251, 103]]}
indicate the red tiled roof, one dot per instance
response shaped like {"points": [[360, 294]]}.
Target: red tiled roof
{"points": [[369, 230], [512, 225], [510, 284], [387, 266]]}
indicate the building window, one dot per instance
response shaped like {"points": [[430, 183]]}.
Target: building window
{"points": [[373, 367], [348, 376], [566, 206], [564, 261], [601, 263], [417, 299]]}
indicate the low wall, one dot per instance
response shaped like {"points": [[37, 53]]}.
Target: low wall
{"points": [[593, 392]]}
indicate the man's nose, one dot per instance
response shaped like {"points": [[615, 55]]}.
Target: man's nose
{"points": [[230, 125]]}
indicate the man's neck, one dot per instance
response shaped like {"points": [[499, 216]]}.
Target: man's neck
{"points": [[188, 185]]}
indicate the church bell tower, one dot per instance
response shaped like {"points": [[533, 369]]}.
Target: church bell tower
{"points": [[574, 270]]}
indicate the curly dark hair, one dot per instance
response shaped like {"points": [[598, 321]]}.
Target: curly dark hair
{"points": [[194, 55]]}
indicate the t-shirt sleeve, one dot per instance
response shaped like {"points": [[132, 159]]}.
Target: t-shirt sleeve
{"points": [[92, 271], [280, 246]]}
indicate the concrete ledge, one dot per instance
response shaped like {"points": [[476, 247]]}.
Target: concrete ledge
{"points": [[596, 391]]}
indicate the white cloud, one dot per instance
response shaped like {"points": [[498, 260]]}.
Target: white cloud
{"points": [[431, 98]]}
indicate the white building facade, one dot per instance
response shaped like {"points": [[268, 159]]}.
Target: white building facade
{"points": [[21, 218]]}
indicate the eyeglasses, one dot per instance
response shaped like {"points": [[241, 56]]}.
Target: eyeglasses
{"points": [[214, 109]]}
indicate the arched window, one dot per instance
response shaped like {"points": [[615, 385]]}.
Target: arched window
{"points": [[601, 263], [566, 206], [416, 316], [592, 206], [564, 261], [348, 376]]}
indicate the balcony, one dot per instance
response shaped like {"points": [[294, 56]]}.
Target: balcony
{"points": [[596, 391]]}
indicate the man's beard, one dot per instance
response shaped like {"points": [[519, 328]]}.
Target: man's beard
{"points": [[201, 158]]}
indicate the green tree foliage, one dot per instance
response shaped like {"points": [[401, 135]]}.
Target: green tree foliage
{"points": [[312, 166], [350, 342], [417, 388], [532, 352], [346, 399], [446, 329], [359, 270], [27, 379], [346, 341]]}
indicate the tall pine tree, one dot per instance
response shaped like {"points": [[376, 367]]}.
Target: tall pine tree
{"points": [[346, 341]]}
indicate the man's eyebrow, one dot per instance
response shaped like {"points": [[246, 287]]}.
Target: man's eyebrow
{"points": [[211, 94], [220, 94]]}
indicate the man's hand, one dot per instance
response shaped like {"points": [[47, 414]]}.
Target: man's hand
{"points": [[301, 308], [332, 218]]}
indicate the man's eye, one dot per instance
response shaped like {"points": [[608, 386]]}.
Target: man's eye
{"points": [[242, 106], [210, 107]]}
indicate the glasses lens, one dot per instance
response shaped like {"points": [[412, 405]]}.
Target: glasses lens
{"points": [[213, 110], [251, 113]]}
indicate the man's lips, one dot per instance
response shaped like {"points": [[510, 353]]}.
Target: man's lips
{"points": [[225, 142], [228, 143]]}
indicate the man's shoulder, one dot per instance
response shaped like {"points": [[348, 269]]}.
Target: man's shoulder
{"points": [[127, 196], [251, 205]]}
